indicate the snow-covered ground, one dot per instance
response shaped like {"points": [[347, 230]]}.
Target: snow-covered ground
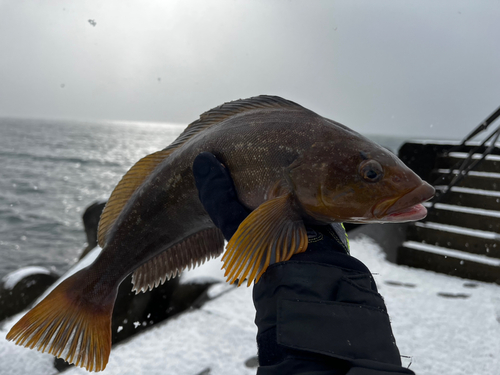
{"points": [[442, 324]]}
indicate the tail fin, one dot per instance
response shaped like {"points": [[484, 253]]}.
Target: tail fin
{"points": [[73, 322]]}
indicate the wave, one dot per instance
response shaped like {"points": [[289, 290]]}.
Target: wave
{"points": [[59, 159]]}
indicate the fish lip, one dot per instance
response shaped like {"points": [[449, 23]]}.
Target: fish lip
{"points": [[412, 213], [407, 207]]}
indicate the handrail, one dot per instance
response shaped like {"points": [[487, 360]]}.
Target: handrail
{"points": [[468, 164], [481, 127]]}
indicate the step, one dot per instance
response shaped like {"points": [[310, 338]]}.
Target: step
{"points": [[421, 156], [449, 261], [474, 179], [490, 164], [467, 197], [474, 218], [457, 238]]}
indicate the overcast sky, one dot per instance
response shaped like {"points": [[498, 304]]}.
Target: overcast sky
{"points": [[416, 68]]}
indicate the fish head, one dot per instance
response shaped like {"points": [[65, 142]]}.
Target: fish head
{"points": [[357, 181]]}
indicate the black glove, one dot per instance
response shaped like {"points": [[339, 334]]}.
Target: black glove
{"points": [[317, 313], [217, 194]]}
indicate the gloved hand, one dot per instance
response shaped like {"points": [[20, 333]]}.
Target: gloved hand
{"points": [[317, 313], [217, 194]]}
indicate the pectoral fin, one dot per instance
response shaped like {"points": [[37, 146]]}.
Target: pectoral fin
{"points": [[271, 233]]}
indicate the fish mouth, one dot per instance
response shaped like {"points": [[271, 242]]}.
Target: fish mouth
{"points": [[407, 207]]}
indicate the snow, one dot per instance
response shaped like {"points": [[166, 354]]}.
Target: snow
{"points": [[471, 173], [458, 189], [464, 155], [10, 280], [453, 253], [437, 333], [460, 230], [468, 210], [453, 336], [449, 142], [436, 142]]}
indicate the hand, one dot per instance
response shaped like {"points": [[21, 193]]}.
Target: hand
{"points": [[217, 194]]}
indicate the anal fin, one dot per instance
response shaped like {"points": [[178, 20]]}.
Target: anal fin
{"points": [[191, 252], [272, 233]]}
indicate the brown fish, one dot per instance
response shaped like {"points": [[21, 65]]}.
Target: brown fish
{"points": [[289, 165]]}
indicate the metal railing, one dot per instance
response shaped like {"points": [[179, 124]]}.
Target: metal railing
{"points": [[469, 163]]}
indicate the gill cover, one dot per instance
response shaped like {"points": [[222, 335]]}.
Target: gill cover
{"points": [[345, 179]]}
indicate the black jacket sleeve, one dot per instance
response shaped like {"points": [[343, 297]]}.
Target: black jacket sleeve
{"points": [[318, 313]]}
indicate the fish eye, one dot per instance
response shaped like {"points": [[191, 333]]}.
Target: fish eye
{"points": [[371, 170]]}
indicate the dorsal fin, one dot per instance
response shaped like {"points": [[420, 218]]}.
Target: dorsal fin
{"points": [[229, 109], [143, 168], [124, 190]]}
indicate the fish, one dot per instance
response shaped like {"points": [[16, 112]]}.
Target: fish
{"points": [[290, 167]]}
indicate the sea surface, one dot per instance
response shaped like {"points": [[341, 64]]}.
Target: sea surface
{"points": [[51, 170]]}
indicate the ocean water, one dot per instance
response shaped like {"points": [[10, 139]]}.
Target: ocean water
{"points": [[51, 170]]}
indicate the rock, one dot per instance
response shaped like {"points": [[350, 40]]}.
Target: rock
{"points": [[143, 309], [135, 312], [22, 287], [91, 218]]}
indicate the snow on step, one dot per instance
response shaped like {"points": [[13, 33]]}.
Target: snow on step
{"points": [[458, 189], [449, 142], [468, 210], [460, 230], [471, 173], [452, 253], [464, 155]]}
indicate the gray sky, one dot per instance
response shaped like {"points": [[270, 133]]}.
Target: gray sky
{"points": [[416, 68]]}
